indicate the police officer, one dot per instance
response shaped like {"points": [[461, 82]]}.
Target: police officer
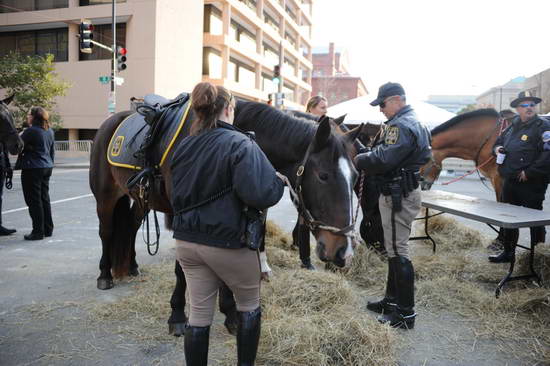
{"points": [[395, 162], [524, 157], [5, 171]]}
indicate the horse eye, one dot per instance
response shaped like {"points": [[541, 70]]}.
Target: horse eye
{"points": [[323, 176]]}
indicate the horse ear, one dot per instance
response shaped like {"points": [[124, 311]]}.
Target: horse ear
{"points": [[9, 99], [352, 134], [340, 119], [322, 135]]}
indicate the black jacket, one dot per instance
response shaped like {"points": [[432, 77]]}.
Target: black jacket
{"points": [[39, 151], [214, 175], [525, 149], [405, 144]]}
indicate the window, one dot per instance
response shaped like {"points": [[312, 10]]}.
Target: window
{"points": [[40, 42], [10, 6], [98, 2], [250, 3], [271, 55], [246, 38], [213, 23], [103, 33], [211, 63], [271, 21]]}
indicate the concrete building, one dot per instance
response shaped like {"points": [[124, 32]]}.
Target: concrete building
{"points": [[172, 45], [331, 77], [451, 103], [499, 97], [539, 85]]}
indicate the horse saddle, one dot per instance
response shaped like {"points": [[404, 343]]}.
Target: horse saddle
{"points": [[149, 137]]}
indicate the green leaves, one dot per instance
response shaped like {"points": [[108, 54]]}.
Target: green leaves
{"points": [[34, 82]]}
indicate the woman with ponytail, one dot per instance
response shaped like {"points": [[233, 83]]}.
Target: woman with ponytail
{"points": [[217, 173], [36, 170]]}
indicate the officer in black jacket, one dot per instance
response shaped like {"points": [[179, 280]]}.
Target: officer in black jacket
{"points": [[404, 148], [218, 172], [5, 170], [523, 151]]}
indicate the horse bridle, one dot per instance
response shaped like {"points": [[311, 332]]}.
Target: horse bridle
{"points": [[299, 203]]}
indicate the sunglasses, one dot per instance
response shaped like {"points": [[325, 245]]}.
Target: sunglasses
{"points": [[525, 105], [383, 104]]}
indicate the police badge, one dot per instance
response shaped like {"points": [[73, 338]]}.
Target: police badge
{"points": [[392, 135], [546, 140]]}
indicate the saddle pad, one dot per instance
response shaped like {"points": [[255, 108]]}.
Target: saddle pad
{"points": [[131, 133]]}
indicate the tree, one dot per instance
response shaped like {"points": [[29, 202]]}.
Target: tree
{"points": [[468, 108], [33, 81]]}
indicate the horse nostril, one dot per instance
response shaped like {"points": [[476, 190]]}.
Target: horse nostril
{"points": [[341, 253], [321, 251]]}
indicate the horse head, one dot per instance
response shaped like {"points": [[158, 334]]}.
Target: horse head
{"points": [[8, 132], [327, 190]]}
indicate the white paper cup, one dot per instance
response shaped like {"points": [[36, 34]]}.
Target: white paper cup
{"points": [[500, 158]]}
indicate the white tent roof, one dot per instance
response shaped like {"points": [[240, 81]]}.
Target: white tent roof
{"points": [[359, 110]]}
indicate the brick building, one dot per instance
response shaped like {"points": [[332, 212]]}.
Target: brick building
{"points": [[331, 77]]}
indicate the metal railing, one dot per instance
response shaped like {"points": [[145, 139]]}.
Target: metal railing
{"points": [[74, 145]]}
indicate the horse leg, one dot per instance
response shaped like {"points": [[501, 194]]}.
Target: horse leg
{"points": [[105, 210], [229, 308], [300, 236], [138, 213], [178, 319]]}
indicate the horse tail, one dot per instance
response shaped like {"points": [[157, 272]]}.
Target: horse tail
{"points": [[168, 221], [122, 237]]}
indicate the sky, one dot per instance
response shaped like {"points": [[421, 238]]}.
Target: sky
{"points": [[437, 46]]}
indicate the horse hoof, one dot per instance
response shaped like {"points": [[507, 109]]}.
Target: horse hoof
{"points": [[133, 272], [104, 283], [176, 329]]}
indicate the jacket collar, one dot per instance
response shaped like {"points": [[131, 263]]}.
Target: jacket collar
{"points": [[402, 111], [518, 123], [222, 124]]}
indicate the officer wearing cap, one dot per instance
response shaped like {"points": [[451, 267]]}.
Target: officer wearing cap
{"points": [[395, 162], [523, 158]]}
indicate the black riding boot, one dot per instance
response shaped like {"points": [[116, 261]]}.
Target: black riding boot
{"points": [[403, 314], [506, 256], [196, 345], [388, 303], [248, 336]]}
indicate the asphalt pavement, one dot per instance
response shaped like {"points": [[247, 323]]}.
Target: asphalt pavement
{"points": [[64, 268]]}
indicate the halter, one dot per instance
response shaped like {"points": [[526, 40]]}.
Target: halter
{"points": [[299, 203]]}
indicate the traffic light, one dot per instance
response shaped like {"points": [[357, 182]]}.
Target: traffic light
{"points": [[277, 74], [86, 35], [121, 58]]}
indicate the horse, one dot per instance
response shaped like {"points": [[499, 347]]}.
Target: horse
{"points": [[468, 136], [312, 154], [8, 132]]}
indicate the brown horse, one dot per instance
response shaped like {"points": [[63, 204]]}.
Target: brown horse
{"points": [[469, 136], [326, 183], [8, 132]]}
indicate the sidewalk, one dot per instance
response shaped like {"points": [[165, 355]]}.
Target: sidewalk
{"points": [[67, 162]]}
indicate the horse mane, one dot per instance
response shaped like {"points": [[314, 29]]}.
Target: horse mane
{"points": [[305, 115], [485, 112], [282, 128]]}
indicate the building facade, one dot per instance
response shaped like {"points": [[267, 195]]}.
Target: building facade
{"points": [[539, 85], [172, 45], [499, 97], [331, 77]]}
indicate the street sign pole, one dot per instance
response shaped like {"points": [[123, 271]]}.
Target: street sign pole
{"points": [[112, 98]]}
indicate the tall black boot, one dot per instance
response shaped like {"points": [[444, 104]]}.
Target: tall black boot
{"points": [[196, 345], [403, 315], [388, 303], [509, 249], [248, 336]]}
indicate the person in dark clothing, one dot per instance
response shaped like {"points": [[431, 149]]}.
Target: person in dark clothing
{"points": [[36, 169], [523, 155], [5, 169], [218, 172], [395, 163]]}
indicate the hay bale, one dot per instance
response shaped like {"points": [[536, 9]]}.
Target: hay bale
{"points": [[276, 237], [367, 268], [281, 258], [541, 262]]}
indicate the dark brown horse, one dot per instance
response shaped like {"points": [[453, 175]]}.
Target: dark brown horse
{"points": [[8, 132], [327, 184], [469, 136]]}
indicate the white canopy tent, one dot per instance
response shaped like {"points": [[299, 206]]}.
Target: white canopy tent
{"points": [[359, 110]]}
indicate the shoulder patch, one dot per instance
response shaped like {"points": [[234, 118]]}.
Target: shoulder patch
{"points": [[392, 135], [546, 136]]}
